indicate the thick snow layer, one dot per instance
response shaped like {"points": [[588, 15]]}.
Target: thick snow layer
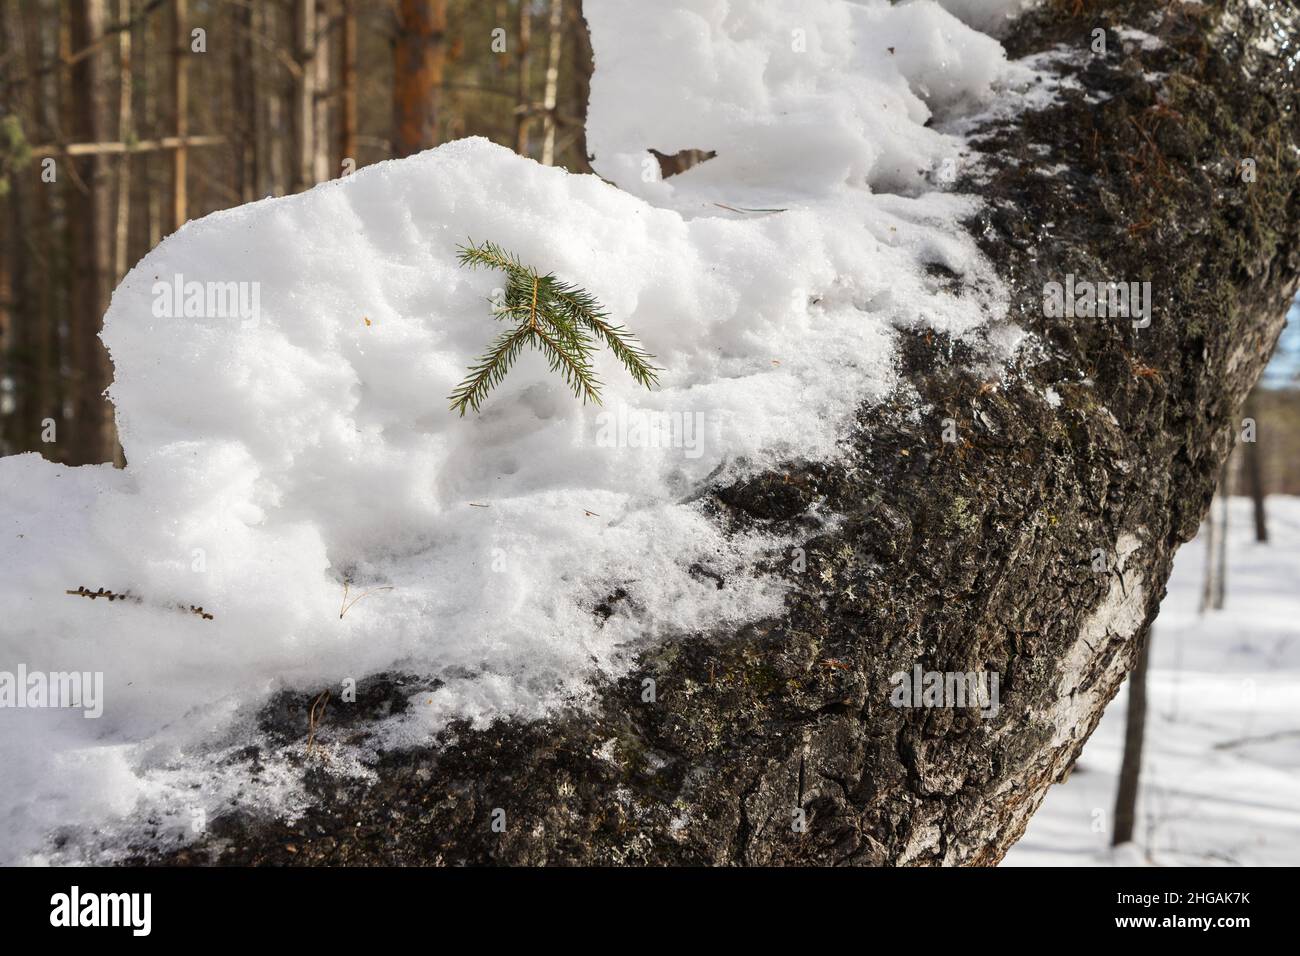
{"points": [[796, 98], [1221, 770], [304, 444]]}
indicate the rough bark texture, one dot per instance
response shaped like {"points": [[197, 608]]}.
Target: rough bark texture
{"points": [[973, 555]]}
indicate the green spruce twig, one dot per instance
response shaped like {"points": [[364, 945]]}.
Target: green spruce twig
{"points": [[558, 319]]}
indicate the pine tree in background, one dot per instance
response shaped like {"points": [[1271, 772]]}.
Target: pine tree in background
{"points": [[560, 320]]}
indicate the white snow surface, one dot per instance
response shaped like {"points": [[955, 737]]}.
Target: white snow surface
{"points": [[271, 461], [1220, 783], [991, 16]]}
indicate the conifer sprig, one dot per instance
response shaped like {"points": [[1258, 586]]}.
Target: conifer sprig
{"points": [[561, 320]]}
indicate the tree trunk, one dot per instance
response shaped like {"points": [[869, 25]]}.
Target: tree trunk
{"points": [[244, 77], [419, 58], [303, 169], [915, 552], [555, 37], [274, 175], [1221, 542], [523, 94], [1254, 472], [181, 106], [125, 133], [154, 38], [1135, 722], [94, 438], [1211, 566], [323, 144], [582, 67], [15, 365], [348, 84]]}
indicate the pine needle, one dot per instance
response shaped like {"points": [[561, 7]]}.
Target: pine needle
{"points": [[561, 320]]}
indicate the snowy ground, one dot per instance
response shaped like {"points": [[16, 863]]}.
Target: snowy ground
{"points": [[1221, 774]]}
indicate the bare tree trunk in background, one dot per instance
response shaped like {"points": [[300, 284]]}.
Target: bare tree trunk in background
{"points": [[155, 39], [181, 104], [1221, 575], [555, 36], [303, 166], [45, 382], [420, 57], [94, 435], [274, 174], [1135, 721], [21, 338], [244, 78], [524, 102], [322, 145], [348, 83], [1210, 532], [125, 133], [582, 68], [1254, 472], [15, 360]]}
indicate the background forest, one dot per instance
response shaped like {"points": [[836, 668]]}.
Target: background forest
{"points": [[122, 119]]}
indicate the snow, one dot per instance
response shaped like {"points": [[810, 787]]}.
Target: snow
{"points": [[990, 16], [1220, 778], [281, 452]]}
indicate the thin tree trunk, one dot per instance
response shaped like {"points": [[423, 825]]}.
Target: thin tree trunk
{"points": [[1254, 472], [582, 68], [1210, 532], [555, 36], [125, 133], [322, 145], [348, 84], [36, 394], [94, 436], [180, 102], [274, 174], [1221, 543], [420, 58], [1130, 772], [523, 105], [155, 39], [15, 364], [243, 72], [304, 96]]}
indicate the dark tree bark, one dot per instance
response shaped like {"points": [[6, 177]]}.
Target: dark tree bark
{"points": [[974, 556], [1135, 723], [580, 41]]}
